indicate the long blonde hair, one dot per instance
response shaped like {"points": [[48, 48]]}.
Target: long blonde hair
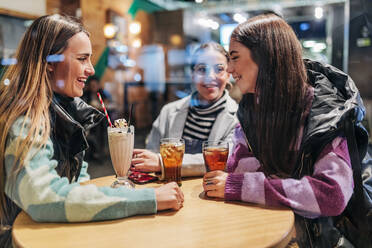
{"points": [[25, 88]]}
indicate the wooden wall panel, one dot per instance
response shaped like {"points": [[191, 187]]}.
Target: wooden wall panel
{"points": [[93, 17], [147, 27], [53, 6]]}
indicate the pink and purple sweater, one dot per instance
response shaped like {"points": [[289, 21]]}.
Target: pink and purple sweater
{"points": [[325, 193]]}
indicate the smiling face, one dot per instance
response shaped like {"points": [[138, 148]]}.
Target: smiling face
{"points": [[242, 67], [70, 74], [210, 75]]}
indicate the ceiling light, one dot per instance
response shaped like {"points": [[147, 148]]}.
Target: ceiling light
{"points": [[198, 1], [213, 24], [137, 43], [175, 39], [308, 43], [135, 28], [109, 30], [239, 18], [318, 12], [137, 77], [318, 47], [208, 23]]}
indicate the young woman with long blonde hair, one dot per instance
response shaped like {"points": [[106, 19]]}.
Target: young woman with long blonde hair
{"points": [[42, 141]]}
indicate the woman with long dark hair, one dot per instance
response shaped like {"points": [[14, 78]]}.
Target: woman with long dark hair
{"points": [[290, 147]]}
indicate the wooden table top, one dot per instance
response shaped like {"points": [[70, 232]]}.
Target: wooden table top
{"points": [[202, 222]]}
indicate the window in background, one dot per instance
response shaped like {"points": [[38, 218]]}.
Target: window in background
{"points": [[11, 32], [225, 33]]}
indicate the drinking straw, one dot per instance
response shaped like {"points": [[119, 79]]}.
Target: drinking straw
{"points": [[130, 114], [104, 108]]}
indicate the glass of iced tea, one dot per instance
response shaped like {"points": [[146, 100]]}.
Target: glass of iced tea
{"points": [[215, 154], [171, 151]]}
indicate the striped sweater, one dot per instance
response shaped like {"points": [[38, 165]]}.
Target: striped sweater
{"points": [[200, 118], [47, 197], [325, 193]]}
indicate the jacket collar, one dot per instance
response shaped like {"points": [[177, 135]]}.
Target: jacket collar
{"points": [[335, 94], [76, 112], [73, 117], [178, 118], [231, 106]]}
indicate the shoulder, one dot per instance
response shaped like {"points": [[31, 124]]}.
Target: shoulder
{"points": [[176, 105], [20, 127], [39, 147], [239, 135], [231, 105]]}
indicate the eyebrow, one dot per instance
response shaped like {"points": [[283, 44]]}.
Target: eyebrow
{"points": [[232, 52], [84, 54], [209, 64]]}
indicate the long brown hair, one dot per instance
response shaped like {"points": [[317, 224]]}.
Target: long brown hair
{"points": [[28, 92], [276, 110]]}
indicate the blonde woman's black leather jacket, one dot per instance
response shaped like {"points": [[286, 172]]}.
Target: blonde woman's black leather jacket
{"points": [[71, 118]]}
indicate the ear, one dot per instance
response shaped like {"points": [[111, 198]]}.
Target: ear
{"points": [[50, 67], [228, 85]]}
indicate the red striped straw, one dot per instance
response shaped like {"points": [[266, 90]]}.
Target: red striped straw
{"points": [[104, 108]]}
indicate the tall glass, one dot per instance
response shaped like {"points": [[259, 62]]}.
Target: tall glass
{"points": [[171, 151], [215, 154], [121, 142]]}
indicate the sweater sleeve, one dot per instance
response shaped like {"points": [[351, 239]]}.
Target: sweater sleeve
{"points": [[241, 159], [325, 193], [47, 197]]}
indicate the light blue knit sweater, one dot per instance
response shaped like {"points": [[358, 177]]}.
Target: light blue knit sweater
{"points": [[47, 197]]}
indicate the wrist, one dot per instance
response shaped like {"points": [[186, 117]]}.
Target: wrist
{"points": [[233, 186]]}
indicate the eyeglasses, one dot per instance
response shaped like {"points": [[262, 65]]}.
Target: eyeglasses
{"points": [[204, 69]]}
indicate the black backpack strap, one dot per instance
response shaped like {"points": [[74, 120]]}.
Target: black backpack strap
{"points": [[358, 208]]}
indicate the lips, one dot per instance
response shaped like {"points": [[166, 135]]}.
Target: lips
{"points": [[210, 86], [81, 82]]}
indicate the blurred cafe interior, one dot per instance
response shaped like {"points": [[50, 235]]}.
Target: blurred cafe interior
{"points": [[141, 48]]}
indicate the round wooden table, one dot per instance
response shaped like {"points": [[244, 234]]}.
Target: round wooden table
{"points": [[202, 222]]}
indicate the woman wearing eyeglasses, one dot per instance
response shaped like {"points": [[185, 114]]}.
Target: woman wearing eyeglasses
{"points": [[207, 114]]}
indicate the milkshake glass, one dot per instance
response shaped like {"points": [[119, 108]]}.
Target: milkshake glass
{"points": [[121, 142]]}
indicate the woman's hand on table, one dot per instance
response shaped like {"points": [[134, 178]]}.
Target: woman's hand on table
{"points": [[169, 196], [214, 183], [145, 161]]}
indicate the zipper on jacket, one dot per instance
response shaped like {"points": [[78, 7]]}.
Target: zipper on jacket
{"points": [[246, 140], [308, 233], [302, 164]]}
